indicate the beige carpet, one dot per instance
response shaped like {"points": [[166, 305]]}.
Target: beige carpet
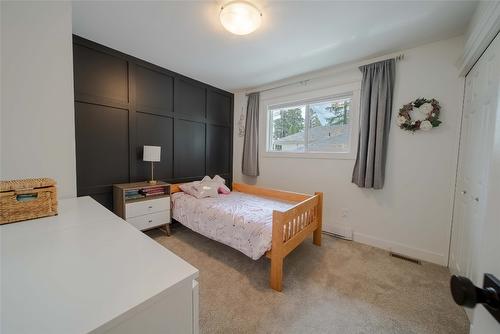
{"points": [[340, 287]]}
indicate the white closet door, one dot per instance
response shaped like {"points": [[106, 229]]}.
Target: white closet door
{"points": [[488, 247], [472, 177], [479, 128]]}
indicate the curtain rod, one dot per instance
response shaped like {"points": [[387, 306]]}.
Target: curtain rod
{"points": [[398, 57]]}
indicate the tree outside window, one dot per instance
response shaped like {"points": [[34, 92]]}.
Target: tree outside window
{"points": [[316, 126]]}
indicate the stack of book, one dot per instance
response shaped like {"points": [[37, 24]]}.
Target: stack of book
{"points": [[133, 194], [153, 191]]}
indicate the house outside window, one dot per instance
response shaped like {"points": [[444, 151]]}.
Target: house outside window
{"points": [[322, 125]]}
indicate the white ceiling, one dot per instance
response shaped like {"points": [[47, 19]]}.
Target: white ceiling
{"points": [[295, 37]]}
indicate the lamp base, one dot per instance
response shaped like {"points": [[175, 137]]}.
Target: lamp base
{"points": [[152, 182]]}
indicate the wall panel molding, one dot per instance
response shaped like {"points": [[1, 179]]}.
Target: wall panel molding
{"points": [[192, 121]]}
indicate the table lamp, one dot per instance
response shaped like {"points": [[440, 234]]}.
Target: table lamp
{"points": [[152, 154]]}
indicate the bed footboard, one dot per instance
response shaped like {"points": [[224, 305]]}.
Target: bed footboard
{"points": [[290, 228]]}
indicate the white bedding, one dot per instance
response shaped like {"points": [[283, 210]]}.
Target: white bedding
{"points": [[238, 220]]}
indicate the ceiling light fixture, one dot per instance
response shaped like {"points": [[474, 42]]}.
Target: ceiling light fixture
{"points": [[240, 17]]}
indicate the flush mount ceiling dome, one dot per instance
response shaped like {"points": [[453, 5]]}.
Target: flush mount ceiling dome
{"points": [[240, 17]]}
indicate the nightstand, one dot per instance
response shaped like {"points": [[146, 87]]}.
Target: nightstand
{"points": [[143, 205]]}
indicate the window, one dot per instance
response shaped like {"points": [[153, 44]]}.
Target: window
{"points": [[316, 126]]}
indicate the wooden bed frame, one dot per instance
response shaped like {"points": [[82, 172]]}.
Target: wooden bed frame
{"points": [[290, 227]]}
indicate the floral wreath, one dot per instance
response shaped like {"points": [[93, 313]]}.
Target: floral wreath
{"points": [[421, 114]]}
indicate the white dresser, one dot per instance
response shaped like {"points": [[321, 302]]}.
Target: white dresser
{"points": [[144, 212], [86, 271]]}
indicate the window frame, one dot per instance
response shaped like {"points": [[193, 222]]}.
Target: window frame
{"points": [[348, 90]]}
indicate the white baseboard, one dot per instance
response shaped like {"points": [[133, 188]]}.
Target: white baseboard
{"points": [[338, 230], [395, 247], [342, 231]]}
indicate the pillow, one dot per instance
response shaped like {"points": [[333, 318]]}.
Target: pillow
{"points": [[189, 188], [218, 179], [200, 189], [206, 179], [206, 189], [223, 189]]}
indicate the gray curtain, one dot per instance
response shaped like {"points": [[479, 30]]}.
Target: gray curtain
{"points": [[250, 163], [375, 109]]}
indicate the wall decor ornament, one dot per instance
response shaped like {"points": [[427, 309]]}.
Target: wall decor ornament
{"points": [[421, 114], [241, 123]]}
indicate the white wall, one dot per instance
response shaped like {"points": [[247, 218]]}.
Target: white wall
{"points": [[37, 109], [412, 214]]}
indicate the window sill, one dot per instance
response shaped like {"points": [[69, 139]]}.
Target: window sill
{"points": [[311, 155]]}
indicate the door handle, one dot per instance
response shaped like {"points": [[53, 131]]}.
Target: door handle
{"points": [[464, 192], [466, 294]]}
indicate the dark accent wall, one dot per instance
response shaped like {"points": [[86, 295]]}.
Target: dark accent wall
{"points": [[123, 103]]}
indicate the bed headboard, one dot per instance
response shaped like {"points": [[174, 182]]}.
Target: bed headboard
{"points": [[174, 188], [258, 191]]}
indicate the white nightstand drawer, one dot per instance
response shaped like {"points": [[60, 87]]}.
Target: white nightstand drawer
{"points": [[146, 207], [151, 220]]}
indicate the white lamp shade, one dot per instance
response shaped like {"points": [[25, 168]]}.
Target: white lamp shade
{"points": [[151, 153]]}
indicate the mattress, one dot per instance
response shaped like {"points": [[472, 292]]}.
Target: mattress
{"points": [[239, 220]]}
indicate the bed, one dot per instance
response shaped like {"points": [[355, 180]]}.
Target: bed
{"points": [[256, 221]]}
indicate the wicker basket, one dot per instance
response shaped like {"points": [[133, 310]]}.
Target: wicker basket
{"points": [[27, 199]]}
